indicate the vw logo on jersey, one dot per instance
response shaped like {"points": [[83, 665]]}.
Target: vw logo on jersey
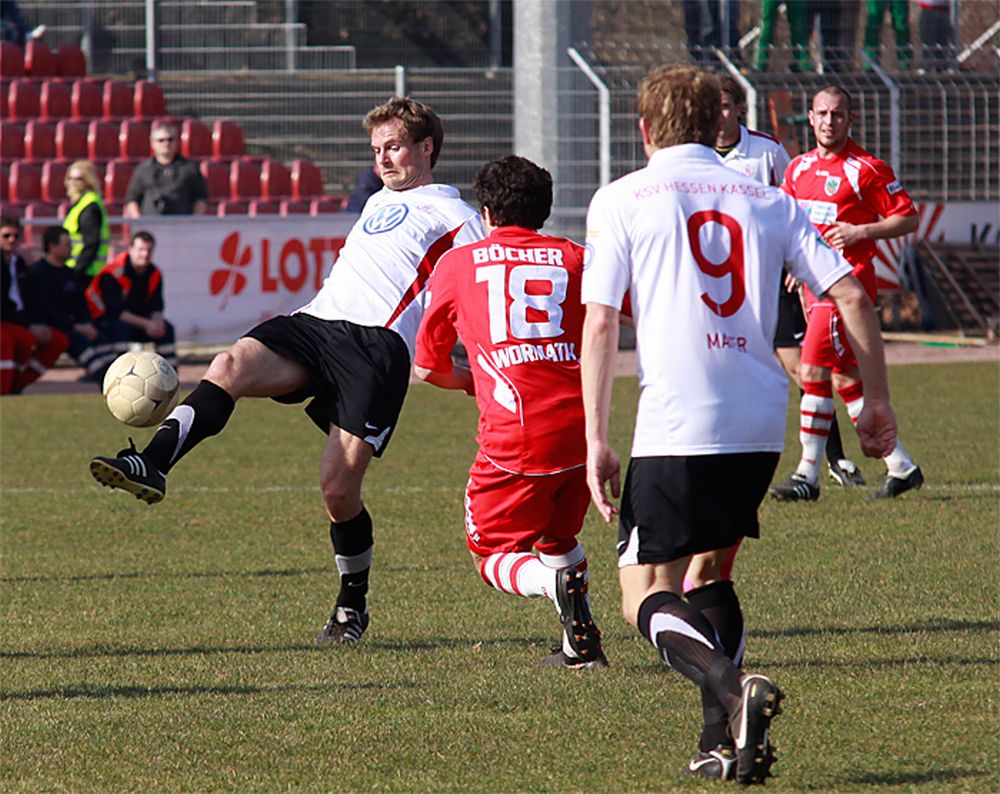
{"points": [[386, 218]]}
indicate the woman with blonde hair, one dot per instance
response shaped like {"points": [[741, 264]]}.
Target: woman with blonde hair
{"points": [[86, 221]]}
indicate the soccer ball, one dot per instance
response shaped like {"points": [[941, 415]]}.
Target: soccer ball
{"points": [[141, 388]]}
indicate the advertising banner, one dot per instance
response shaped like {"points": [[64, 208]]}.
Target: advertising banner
{"points": [[222, 276]]}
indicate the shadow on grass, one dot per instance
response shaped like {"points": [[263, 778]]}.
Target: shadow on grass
{"points": [[94, 691], [915, 628], [104, 651], [917, 778], [99, 577]]}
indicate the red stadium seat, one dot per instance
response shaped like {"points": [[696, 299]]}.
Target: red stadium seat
{"points": [[149, 101], [307, 181], [4, 181], [54, 180], [196, 139], [326, 204], [11, 141], [39, 140], [54, 101], [216, 175], [275, 179], [116, 179], [244, 180], [116, 100], [70, 60], [102, 140], [39, 60], [85, 100], [23, 100], [33, 234], [25, 182], [71, 140], [133, 139], [228, 207], [227, 139], [263, 207], [11, 60], [294, 207]]}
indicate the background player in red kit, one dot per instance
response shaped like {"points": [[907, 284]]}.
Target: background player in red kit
{"points": [[514, 300], [854, 199]]}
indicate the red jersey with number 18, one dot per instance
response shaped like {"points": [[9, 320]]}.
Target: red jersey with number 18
{"points": [[514, 300], [852, 186]]}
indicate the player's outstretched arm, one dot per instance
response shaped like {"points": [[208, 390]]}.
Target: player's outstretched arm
{"points": [[456, 378], [876, 426], [599, 350]]}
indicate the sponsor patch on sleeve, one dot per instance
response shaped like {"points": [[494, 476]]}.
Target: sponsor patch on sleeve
{"points": [[894, 187]]}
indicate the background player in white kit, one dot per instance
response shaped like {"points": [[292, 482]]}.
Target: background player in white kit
{"points": [[348, 350], [514, 300], [699, 249]]}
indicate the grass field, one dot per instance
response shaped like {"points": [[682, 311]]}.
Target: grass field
{"points": [[169, 648]]}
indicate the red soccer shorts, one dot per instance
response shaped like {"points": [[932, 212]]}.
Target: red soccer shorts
{"points": [[512, 512], [825, 343]]}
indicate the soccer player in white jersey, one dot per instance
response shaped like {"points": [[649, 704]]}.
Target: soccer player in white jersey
{"points": [[699, 250], [762, 157], [348, 350], [514, 300]]}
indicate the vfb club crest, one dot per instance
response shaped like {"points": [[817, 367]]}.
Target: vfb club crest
{"points": [[832, 185]]}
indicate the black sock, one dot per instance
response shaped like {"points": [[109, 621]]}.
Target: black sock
{"points": [[834, 445], [204, 413], [353, 541], [688, 643], [720, 605]]}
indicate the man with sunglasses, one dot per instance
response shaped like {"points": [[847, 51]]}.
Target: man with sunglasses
{"points": [[166, 183]]}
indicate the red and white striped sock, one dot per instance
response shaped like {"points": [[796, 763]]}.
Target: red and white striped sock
{"points": [[519, 573], [816, 412]]}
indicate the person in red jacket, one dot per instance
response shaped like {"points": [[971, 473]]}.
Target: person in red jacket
{"points": [[126, 302]]}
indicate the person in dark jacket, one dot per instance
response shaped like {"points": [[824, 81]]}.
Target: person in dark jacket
{"points": [[126, 301]]}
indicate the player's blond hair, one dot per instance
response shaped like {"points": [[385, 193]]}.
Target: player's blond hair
{"points": [[418, 119], [680, 104]]}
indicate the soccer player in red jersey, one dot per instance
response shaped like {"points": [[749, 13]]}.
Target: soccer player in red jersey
{"points": [[853, 199], [514, 300]]}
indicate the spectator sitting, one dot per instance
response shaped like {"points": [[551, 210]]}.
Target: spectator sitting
{"points": [[54, 301], [86, 222], [166, 183], [126, 302], [26, 350]]}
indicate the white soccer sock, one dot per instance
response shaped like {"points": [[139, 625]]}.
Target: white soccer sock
{"points": [[815, 416], [898, 462], [519, 573]]}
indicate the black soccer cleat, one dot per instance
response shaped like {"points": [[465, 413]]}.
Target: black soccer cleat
{"points": [[559, 658], [345, 627], [750, 727], [717, 764], [131, 471], [795, 489], [578, 624], [846, 474], [897, 486]]}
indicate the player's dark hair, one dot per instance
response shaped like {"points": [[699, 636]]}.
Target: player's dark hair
{"points": [[680, 104], [732, 86], [10, 220], [51, 237], [516, 191], [836, 90], [418, 119], [145, 236]]}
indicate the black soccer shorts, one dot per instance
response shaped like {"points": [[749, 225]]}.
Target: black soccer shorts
{"points": [[674, 506], [358, 374]]}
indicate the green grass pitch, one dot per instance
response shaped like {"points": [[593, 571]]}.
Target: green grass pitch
{"points": [[170, 648]]}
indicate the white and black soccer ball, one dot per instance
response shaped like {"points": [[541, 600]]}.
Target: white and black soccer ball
{"points": [[141, 388]]}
